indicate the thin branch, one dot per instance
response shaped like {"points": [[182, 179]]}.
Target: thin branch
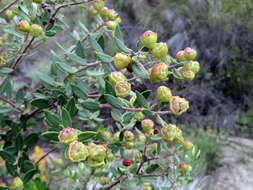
{"points": [[88, 66], [155, 175], [8, 6], [114, 183], [144, 158], [23, 53], [10, 103], [45, 155]]}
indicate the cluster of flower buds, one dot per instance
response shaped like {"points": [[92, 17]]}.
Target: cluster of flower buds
{"points": [[178, 105], [183, 168], [159, 72], [147, 126], [149, 40], [35, 29], [191, 67], [120, 84], [172, 133], [111, 16], [129, 139], [97, 155]]}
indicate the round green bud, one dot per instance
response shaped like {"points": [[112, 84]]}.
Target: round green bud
{"points": [[36, 30], [97, 152], [192, 66], [112, 14], [10, 14], [17, 183], [122, 89], [178, 105], [129, 145], [118, 20], [139, 116], [171, 133], [116, 77], [103, 180], [23, 26], [141, 138], [159, 72], [147, 125], [180, 56], [188, 75], [121, 60], [160, 50], [93, 11], [95, 164], [110, 157], [163, 94], [128, 136], [77, 152], [190, 54], [67, 136], [98, 4], [104, 12], [111, 25], [187, 145], [147, 186], [149, 39]]}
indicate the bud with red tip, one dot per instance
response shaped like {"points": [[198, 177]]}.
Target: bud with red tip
{"points": [[183, 168], [147, 125], [192, 66], [36, 30], [122, 89], [187, 145], [163, 94], [178, 105], [116, 77], [149, 39], [17, 183], [67, 136], [160, 50], [77, 152], [190, 54], [23, 26], [159, 72], [127, 162], [122, 60], [156, 131], [180, 56]]}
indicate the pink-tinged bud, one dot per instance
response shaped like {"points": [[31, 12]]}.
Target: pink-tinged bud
{"points": [[192, 66], [163, 94], [23, 26], [104, 12], [121, 60], [36, 30], [183, 168], [187, 145], [187, 75], [180, 56], [112, 14], [116, 77], [153, 146], [127, 162], [190, 54], [111, 25], [116, 136], [128, 136], [17, 183], [160, 50], [77, 152], [139, 116], [129, 145], [107, 135], [172, 133], [98, 4], [178, 105], [159, 72], [149, 39], [147, 125], [97, 153], [67, 136], [103, 180], [141, 138], [122, 89]]}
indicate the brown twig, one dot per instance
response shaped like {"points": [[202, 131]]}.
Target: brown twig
{"points": [[114, 183], [10, 103], [88, 66], [144, 158], [45, 155], [8, 6], [23, 53]]}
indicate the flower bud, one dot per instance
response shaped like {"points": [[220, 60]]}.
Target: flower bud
{"points": [[97, 152], [163, 94], [116, 77], [103, 180], [37, 1], [190, 53], [17, 183], [121, 60], [98, 4], [147, 186], [107, 135], [141, 138], [127, 162], [93, 11], [112, 14], [129, 145], [67, 136], [128, 136], [147, 125], [23, 26], [180, 56], [77, 152], [118, 20], [171, 133], [110, 157], [141, 57], [178, 105], [10, 14], [122, 89], [183, 168], [104, 12], [156, 131], [111, 25], [187, 145], [192, 66], [160, 50], [188, 75], [139, 116], [149, 39], [36, 30], [159, 72], [95, 164]]}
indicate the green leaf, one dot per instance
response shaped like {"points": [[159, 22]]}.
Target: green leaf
{"points": [[118, 33], [140, 100], [29, 175], [115, 102], [90, 105], [101, 42], [50, 33], [77, 59], [40, 103], [66, 118], [146, 93], [65, 67], [7, 157], [127, 117], [177, 74], [116, 115], [11, 169], [104, 57], [19, 142], [109, 89], [140, 71], [94, 44], [31, 139], [5, 109], [46, 79], [71, 107], [79, 91], [50, 135], [120, 44], [152, 168], [80, 49], [5, 70], [84, 136], [52, 120]]}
